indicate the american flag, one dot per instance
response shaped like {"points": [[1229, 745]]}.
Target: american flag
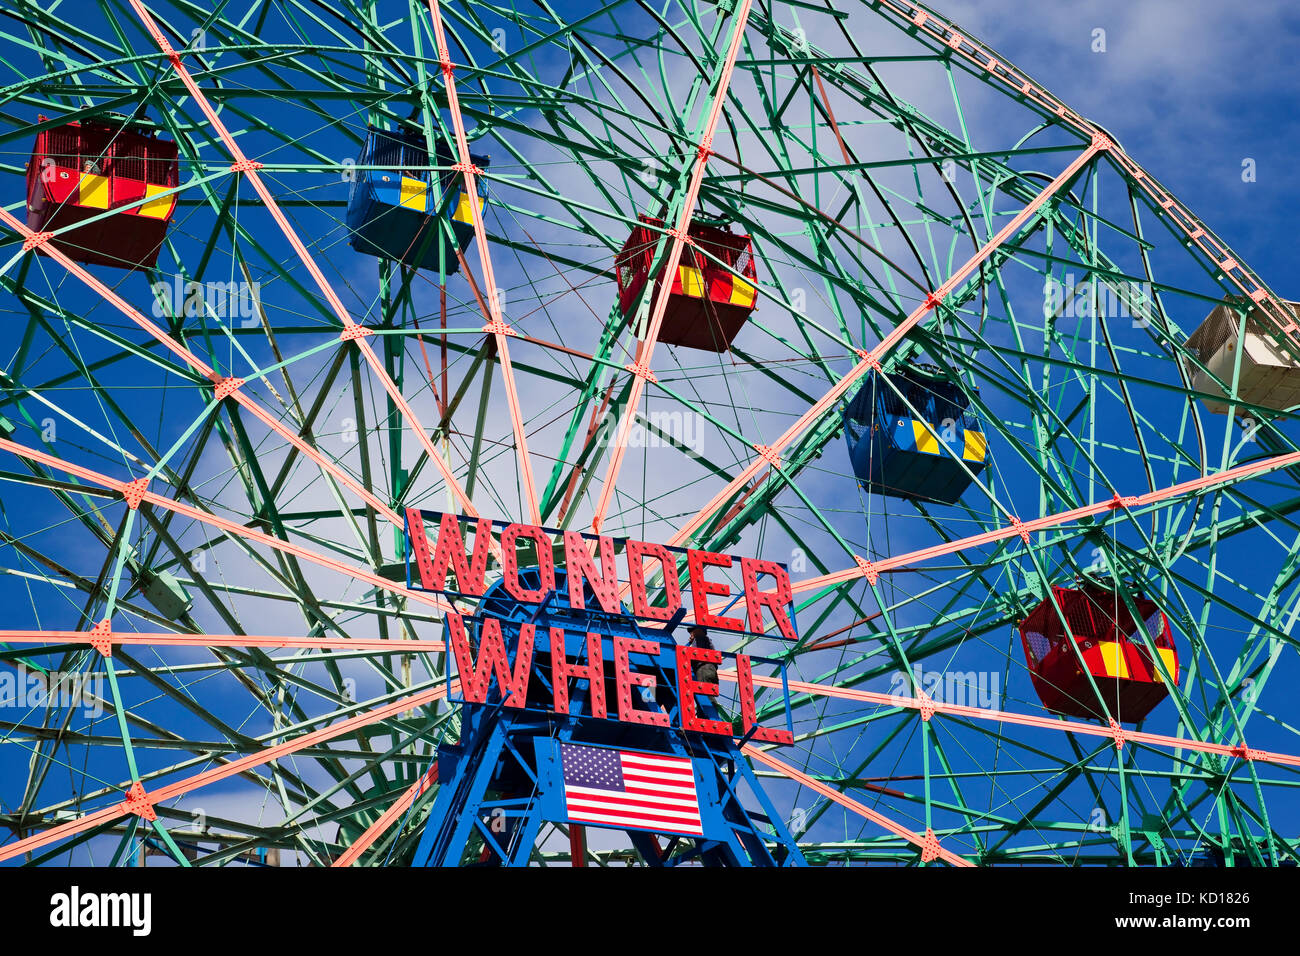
{"points": [[615, 788]]}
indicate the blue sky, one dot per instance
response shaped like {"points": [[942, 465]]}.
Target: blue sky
{"points": [[1190, 88]]}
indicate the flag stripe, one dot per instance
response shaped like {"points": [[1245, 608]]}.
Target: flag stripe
{"points": [[679, 764], [650, 784], [637, 820], [646, 825], [618, 802], [643, 796], [647, 819], [644, 774]]}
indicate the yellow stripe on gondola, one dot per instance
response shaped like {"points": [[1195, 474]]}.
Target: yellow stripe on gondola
{"points": [[464, 212], [156, 208], [92, 191], [1112, 658], [926, 438], [692, 281], [742, 293], [976, 446], [1171, 664], [414, 194]]}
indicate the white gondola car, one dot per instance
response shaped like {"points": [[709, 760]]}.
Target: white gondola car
{"points": [[1269, 378]]}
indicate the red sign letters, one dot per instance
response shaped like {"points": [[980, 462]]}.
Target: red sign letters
{"points": [[599, 572]]}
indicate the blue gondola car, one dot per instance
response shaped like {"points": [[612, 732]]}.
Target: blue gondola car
{"points": [[895, 452], [391, 209]]}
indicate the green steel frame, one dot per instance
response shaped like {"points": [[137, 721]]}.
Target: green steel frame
{"points": [[908, 192]]}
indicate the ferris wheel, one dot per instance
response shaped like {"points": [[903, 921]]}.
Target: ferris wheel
{"points": [[831, 287]]}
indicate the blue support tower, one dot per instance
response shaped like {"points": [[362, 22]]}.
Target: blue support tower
{"points": [[505, 776], [897, 452], [393, 211]]}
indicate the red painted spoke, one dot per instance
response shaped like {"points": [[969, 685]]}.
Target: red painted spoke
{"points": [[830, 793], [248, 168], [231, 527], [238, 395], [1197, 234], [390, 816], [173, 790], [499, 328], [1227, 477], [872, 359], [663, 292], [155, 639], [1024, 720]]}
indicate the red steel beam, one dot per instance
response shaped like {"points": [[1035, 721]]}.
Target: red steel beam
{"points": [[148, 639], [929, 846], [137, 491], [928, 707], [770, 454], [235, 767], [1022, 529], [33, 239], [351, 330], [390, 816], [641, 367], [498, 327], [925, 22]]}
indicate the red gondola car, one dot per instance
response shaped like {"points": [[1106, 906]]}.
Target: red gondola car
{"points": [[1110, 645], [708, 304], [83, 169]]}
